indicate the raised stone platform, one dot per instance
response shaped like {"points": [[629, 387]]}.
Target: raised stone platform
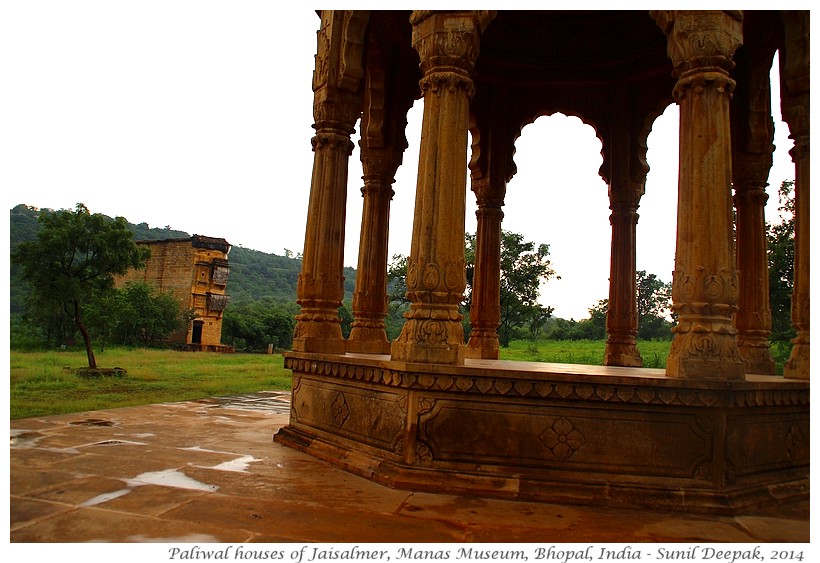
{"points": [[554, 432]]}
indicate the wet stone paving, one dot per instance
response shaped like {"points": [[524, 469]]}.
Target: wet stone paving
{"points": [[271, 402], [208, 470]]}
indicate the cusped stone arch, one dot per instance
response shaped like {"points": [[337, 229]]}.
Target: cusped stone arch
{"points": [[530, 118]]}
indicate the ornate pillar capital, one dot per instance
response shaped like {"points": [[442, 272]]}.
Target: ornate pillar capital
{"points": [[699, 39], [488, 194], [448, 44], [750, 170]]}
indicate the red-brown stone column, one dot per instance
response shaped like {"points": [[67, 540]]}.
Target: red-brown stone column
{"points": [[622, 312], [368, 334], [447, 43], [705, 280], [795, 108], [336, 108], [485, 311], [753, 319], [797, 365], [752, 148], [320, 287]]}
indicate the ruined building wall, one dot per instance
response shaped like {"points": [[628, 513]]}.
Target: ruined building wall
{"points": [[195, 272]]}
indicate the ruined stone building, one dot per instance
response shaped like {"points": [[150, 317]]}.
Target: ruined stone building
{"points": [[195, 271], [715, 431]]}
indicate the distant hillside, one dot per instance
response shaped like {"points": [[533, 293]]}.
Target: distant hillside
{"points": [[255, 276]]}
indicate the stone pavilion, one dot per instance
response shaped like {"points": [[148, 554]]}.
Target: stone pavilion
{"points": [[716, 431]]}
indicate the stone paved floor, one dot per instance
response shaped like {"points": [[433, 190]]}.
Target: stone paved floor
{"points": [[209, 471]]}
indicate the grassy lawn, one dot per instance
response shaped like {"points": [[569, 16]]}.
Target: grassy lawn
{"points": [[40, 385], [590, 352]]}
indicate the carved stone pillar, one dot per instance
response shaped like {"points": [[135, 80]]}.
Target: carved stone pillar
{"points": [[795, 107], [447, 43], [705, 281], [336, 108], [368, 334], [752, 148], [485, 312], [797, 365], [626, 166], [753, 319], [622, 312]]}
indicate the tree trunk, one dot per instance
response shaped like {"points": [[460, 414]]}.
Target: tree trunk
{"points": [[92, 361]]}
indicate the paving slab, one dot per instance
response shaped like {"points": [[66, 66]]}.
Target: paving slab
{"points": [[209, 472]]}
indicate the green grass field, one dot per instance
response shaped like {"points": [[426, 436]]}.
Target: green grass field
{"points": [[590, 352], [41, 384]]}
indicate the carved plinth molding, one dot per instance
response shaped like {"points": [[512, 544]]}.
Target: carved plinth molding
{"points": [[610, 437]]}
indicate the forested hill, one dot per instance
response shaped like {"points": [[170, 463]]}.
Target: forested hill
{"points": [[255, 276]]}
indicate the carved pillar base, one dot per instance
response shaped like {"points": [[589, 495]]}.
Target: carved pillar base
{"points": [[368, 340], [622, 352], [318, 330], [430, 340], [797, 366], [756, 354], [703, 354], [483, 345]]}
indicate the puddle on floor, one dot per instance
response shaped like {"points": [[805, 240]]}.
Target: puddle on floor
{"points": [[25, 438], [170, 478], [92, 422], [239, 464]]}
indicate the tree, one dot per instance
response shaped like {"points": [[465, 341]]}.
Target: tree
{"points": [[75, 259], [135, 314], [780, 251], [524, 266], [654, 302], [597, 320], [253, 326]]}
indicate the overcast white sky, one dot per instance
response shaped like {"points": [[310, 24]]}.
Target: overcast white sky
{"points": [[197, 115]]}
